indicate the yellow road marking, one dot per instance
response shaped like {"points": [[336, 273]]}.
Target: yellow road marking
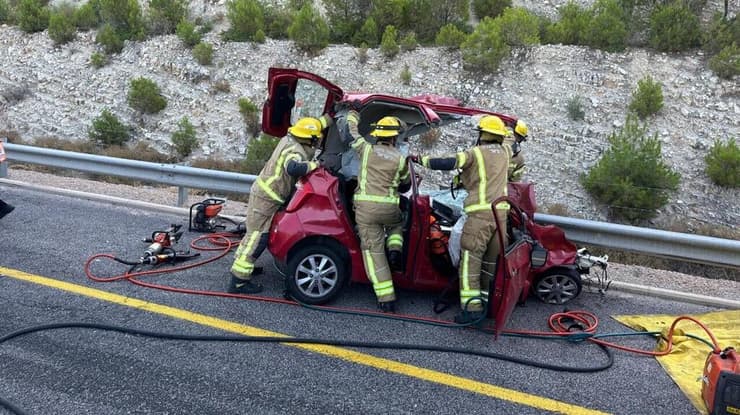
{"points": [[433, 376]]}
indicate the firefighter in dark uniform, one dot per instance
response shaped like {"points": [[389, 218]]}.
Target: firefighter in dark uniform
{"points": [[484, 171], [383, 170], [292, 158]]}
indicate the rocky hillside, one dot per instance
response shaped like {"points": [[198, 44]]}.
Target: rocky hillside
{"points": [[53, 91]]}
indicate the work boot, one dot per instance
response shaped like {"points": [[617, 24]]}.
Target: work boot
{"points": [[394, 260], [5, 209], [240, 286], [387, 306], [470, 317]]}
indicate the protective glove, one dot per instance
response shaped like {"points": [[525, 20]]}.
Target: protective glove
{"points": [[353, 117], [414, 158]]}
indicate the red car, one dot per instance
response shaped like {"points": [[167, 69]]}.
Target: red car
{"points": [[314, 235]]}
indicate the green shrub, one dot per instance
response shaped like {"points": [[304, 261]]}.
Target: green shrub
{"points": [[61, 27], [258, 151], [184, 138], [647, 99], [277, 21], [203, 53], [726, 63], [450, 37], [250, 115], [124, 16], [108, 130], [674, 28], [720, 34], [409, 42], [388, 45], [309, 30], [344, 20], [406, 75], [607, 29], [109, 39], [246, 18], [86, 17], [259, 36], [575, 108], [485, 48], [32, 15], [489, 8], [144, 96], [186, 32], [164, 15], [368, 34], [723, 163], [631, 178], [4, 11], [572, 26], [98, 60], [519, 27]]}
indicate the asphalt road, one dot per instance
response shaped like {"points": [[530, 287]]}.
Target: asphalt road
{"points": [[45, 242]]}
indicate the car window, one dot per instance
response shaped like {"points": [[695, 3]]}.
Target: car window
{"points": [[310, 99]]}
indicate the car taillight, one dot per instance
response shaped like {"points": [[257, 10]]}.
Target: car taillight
{"points": [[303, 191]]}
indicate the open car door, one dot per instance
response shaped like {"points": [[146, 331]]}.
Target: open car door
{"points": [[510, 278], [293, 94]]}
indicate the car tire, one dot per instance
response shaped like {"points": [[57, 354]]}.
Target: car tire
{"points": [[316, 274], [557, 286]]}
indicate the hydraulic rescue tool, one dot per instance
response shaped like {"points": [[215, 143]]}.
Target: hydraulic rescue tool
{"points": [[161, 251], [720, 387]]}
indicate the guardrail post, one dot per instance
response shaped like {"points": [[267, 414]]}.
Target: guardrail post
{"points": [[182, 196], [4, 166]]}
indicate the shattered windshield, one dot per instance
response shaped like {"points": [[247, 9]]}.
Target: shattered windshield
{"points": [[310, 99]]}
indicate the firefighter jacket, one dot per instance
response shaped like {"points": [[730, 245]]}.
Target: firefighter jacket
{"points": [[484, 174], [516, 163], [275, 180], [383, 169]]}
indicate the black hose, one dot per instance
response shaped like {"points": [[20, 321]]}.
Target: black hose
{"points": [[298, 340], [9, 406]]}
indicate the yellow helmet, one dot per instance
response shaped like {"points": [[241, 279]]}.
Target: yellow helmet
{"points": [[521, 128], [307, 129], [387, 127], [493, 125]]}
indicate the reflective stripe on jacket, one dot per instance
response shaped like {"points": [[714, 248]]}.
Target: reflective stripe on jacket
{"points": [[382, 169], [484, 174], [274, 180]]}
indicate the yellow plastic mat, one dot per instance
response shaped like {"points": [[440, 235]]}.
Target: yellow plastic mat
{"points": [[685, 364]]}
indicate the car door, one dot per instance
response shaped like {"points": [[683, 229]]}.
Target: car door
{"points": [[293, 94]]}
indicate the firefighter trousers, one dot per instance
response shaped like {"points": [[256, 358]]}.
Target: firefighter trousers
{"points": [[374, 222], [479, 251], [259, 217]]}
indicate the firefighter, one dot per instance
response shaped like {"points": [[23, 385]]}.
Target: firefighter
{"points": [[484, 171], [383, 172], [516, 165], [292, 158]]}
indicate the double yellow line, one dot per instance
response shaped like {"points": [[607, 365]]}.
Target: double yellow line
{"points": [[416, 372]]}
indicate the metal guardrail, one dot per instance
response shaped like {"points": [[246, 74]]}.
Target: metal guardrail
{"points": [[183, 177], [688, 247]]}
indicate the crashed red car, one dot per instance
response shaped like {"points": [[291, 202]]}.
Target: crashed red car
{"points": [[314, 236]]}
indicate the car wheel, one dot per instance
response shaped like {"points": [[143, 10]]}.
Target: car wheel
{"points": [[557, 286], [316, 274]]}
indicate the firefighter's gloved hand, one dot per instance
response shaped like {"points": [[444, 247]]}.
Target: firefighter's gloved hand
{"points": [[353, 117]]}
